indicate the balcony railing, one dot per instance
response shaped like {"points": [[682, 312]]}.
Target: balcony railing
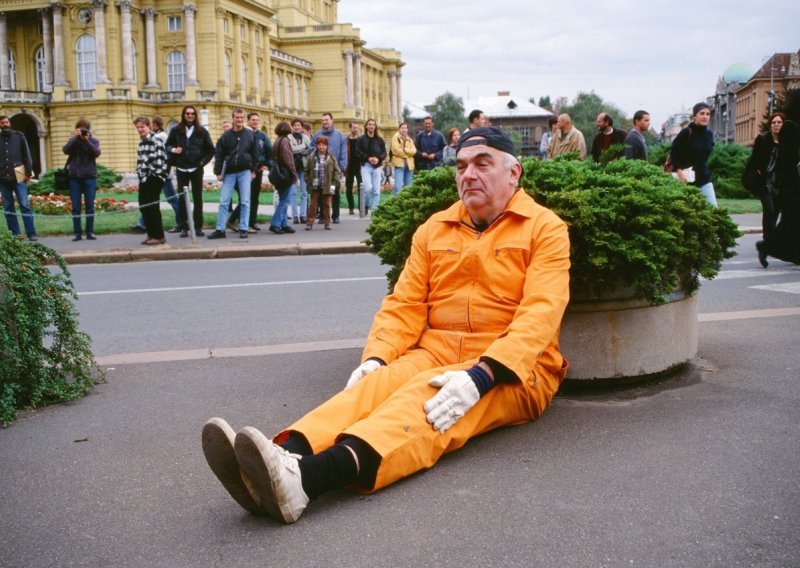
{"points": [[118, 94], [206, 95], [290, 59], [25, 97], [81, 95]]}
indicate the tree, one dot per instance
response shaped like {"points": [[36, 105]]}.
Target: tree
{"points": [[406, 114], [447, 112], [545, 103], [780, 100], [584, 110]]}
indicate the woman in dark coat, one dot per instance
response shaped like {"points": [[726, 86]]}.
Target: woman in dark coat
{"points": [[759, 173], [691, 149], [784, 242]]}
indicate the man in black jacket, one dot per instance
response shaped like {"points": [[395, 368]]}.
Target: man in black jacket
{"points": [[606, 135], [15, 154], [235, 163], [190, 148]]}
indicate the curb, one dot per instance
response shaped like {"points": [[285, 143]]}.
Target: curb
{"points": [[165, 252]]}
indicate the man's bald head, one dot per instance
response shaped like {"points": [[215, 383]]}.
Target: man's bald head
{"points": [[564, 122]]}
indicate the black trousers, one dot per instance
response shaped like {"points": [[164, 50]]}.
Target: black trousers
{"points": [[770, 208], [149, 194], [195, 179], [348, 182]]}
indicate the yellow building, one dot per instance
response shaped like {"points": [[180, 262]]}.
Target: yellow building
{"points": [[110, 61]]}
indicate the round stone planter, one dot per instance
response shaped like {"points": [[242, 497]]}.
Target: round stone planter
{"points": [[618, 338]]}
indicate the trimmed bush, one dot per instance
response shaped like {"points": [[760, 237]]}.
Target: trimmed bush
{"points": [[44, 357], [106, 178], [630, 224]]}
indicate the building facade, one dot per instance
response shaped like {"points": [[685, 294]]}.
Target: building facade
{"points": [[779, 72], [723, 103], [110, 61]]}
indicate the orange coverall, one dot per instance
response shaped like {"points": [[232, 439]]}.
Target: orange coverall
{"points": [[462, 295]]}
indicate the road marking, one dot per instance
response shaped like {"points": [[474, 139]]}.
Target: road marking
{"points": [[748, 314], [357, 343], [790, 287], [752, 273], [225, 352], [222, 286]]}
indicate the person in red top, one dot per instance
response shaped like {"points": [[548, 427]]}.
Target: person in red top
{"points": [[467, 342]]}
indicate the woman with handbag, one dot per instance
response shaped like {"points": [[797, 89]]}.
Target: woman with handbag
{"points": [[690, 151], [759, 173], [283, 175], [83, 150]]}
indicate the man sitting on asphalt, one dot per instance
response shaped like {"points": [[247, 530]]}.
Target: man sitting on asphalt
{"points": [[466, 343]]}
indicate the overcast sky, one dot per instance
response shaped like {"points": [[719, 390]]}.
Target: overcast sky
{"points": [[662, 56]]}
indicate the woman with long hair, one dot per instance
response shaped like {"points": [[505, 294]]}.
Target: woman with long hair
{"points": [[449, 152], [403, 151], [759, 172], [691, 149]]}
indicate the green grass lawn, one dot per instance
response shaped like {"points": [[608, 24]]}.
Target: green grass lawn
{"points": [[738, 206]]}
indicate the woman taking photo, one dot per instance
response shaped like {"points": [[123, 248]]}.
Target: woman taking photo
{"points": [[83, 150], [691, 149], [759, 173], [403, 151]]}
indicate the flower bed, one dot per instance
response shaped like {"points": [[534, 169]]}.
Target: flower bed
{"points": [[53, 204]]}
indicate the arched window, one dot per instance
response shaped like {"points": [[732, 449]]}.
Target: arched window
{"points": [[86, 58], [243, 75], [305, 94], [278, 90], [298, 101], [40, 74], [12, 70], [289, 92], [258, 75], [176, 71], [227, 70]]}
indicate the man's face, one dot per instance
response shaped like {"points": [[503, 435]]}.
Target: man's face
{"points": [[297, 126], [5, 123], [142, 129], [327, 122], [189, 116], [485, 186], [353, 129], [562, 124], [227, 125], [644, 124], [601, 122], [254, 122], [238, 121], [482, 120], [427, 124]]}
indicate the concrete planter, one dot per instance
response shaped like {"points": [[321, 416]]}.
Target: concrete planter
{"points": [[619, 338]]}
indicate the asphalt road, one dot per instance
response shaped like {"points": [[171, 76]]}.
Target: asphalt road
{"points": [[700, 469]]}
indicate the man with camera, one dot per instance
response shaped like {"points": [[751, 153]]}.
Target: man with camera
{"points": [[16, 169]]}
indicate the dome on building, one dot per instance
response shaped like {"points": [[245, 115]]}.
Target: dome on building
{"points": [[738, 73]]}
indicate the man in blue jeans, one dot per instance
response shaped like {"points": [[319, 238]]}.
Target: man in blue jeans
{"points": [[235, 163], [14, 153]]}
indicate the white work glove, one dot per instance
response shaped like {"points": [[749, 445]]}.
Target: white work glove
{"points": [[457, 394], [364, 369]]}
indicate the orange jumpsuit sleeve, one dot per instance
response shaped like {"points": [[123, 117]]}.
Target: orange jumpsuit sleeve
{"points": [[535, 325], [403, 316]]}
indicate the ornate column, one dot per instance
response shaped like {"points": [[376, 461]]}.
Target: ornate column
{"points": [[47, 49], [399, 111], [127, 41], [392, 94], [236, 64], [357, 86], [58, 46], [255, 88], [348, 79], [150, 40], [42, 152], [100, 40], [5, 71], [191, 48], [221, 49]]}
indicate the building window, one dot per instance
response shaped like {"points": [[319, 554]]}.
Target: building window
{"points": [[298, 101], [86, 59], [173, 23], [258, 75], [525, 134], [12, 70], [176, 71], [305, 95], [289, 92], [278, 90], [243, 74], [40, 83], [227, 70], [225, 25]]}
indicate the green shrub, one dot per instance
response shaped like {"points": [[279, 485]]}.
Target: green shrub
{"points": [[106, 178], [629, 224], [44, 357]]}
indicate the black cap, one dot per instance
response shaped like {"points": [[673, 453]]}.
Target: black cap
{"points": [[698, 107], [488, 136]]}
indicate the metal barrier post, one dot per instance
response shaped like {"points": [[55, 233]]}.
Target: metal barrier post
{"points": [[362, 207]]}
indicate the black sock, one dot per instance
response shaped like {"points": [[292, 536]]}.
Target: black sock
{"points": [[296, 443], [332, 469]]}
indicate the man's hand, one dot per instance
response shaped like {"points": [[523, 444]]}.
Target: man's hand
{"points": [[364, 369], [457, 394]]}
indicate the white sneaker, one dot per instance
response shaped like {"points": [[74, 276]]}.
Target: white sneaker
{"points": [[218, 438], [271, 474]]}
